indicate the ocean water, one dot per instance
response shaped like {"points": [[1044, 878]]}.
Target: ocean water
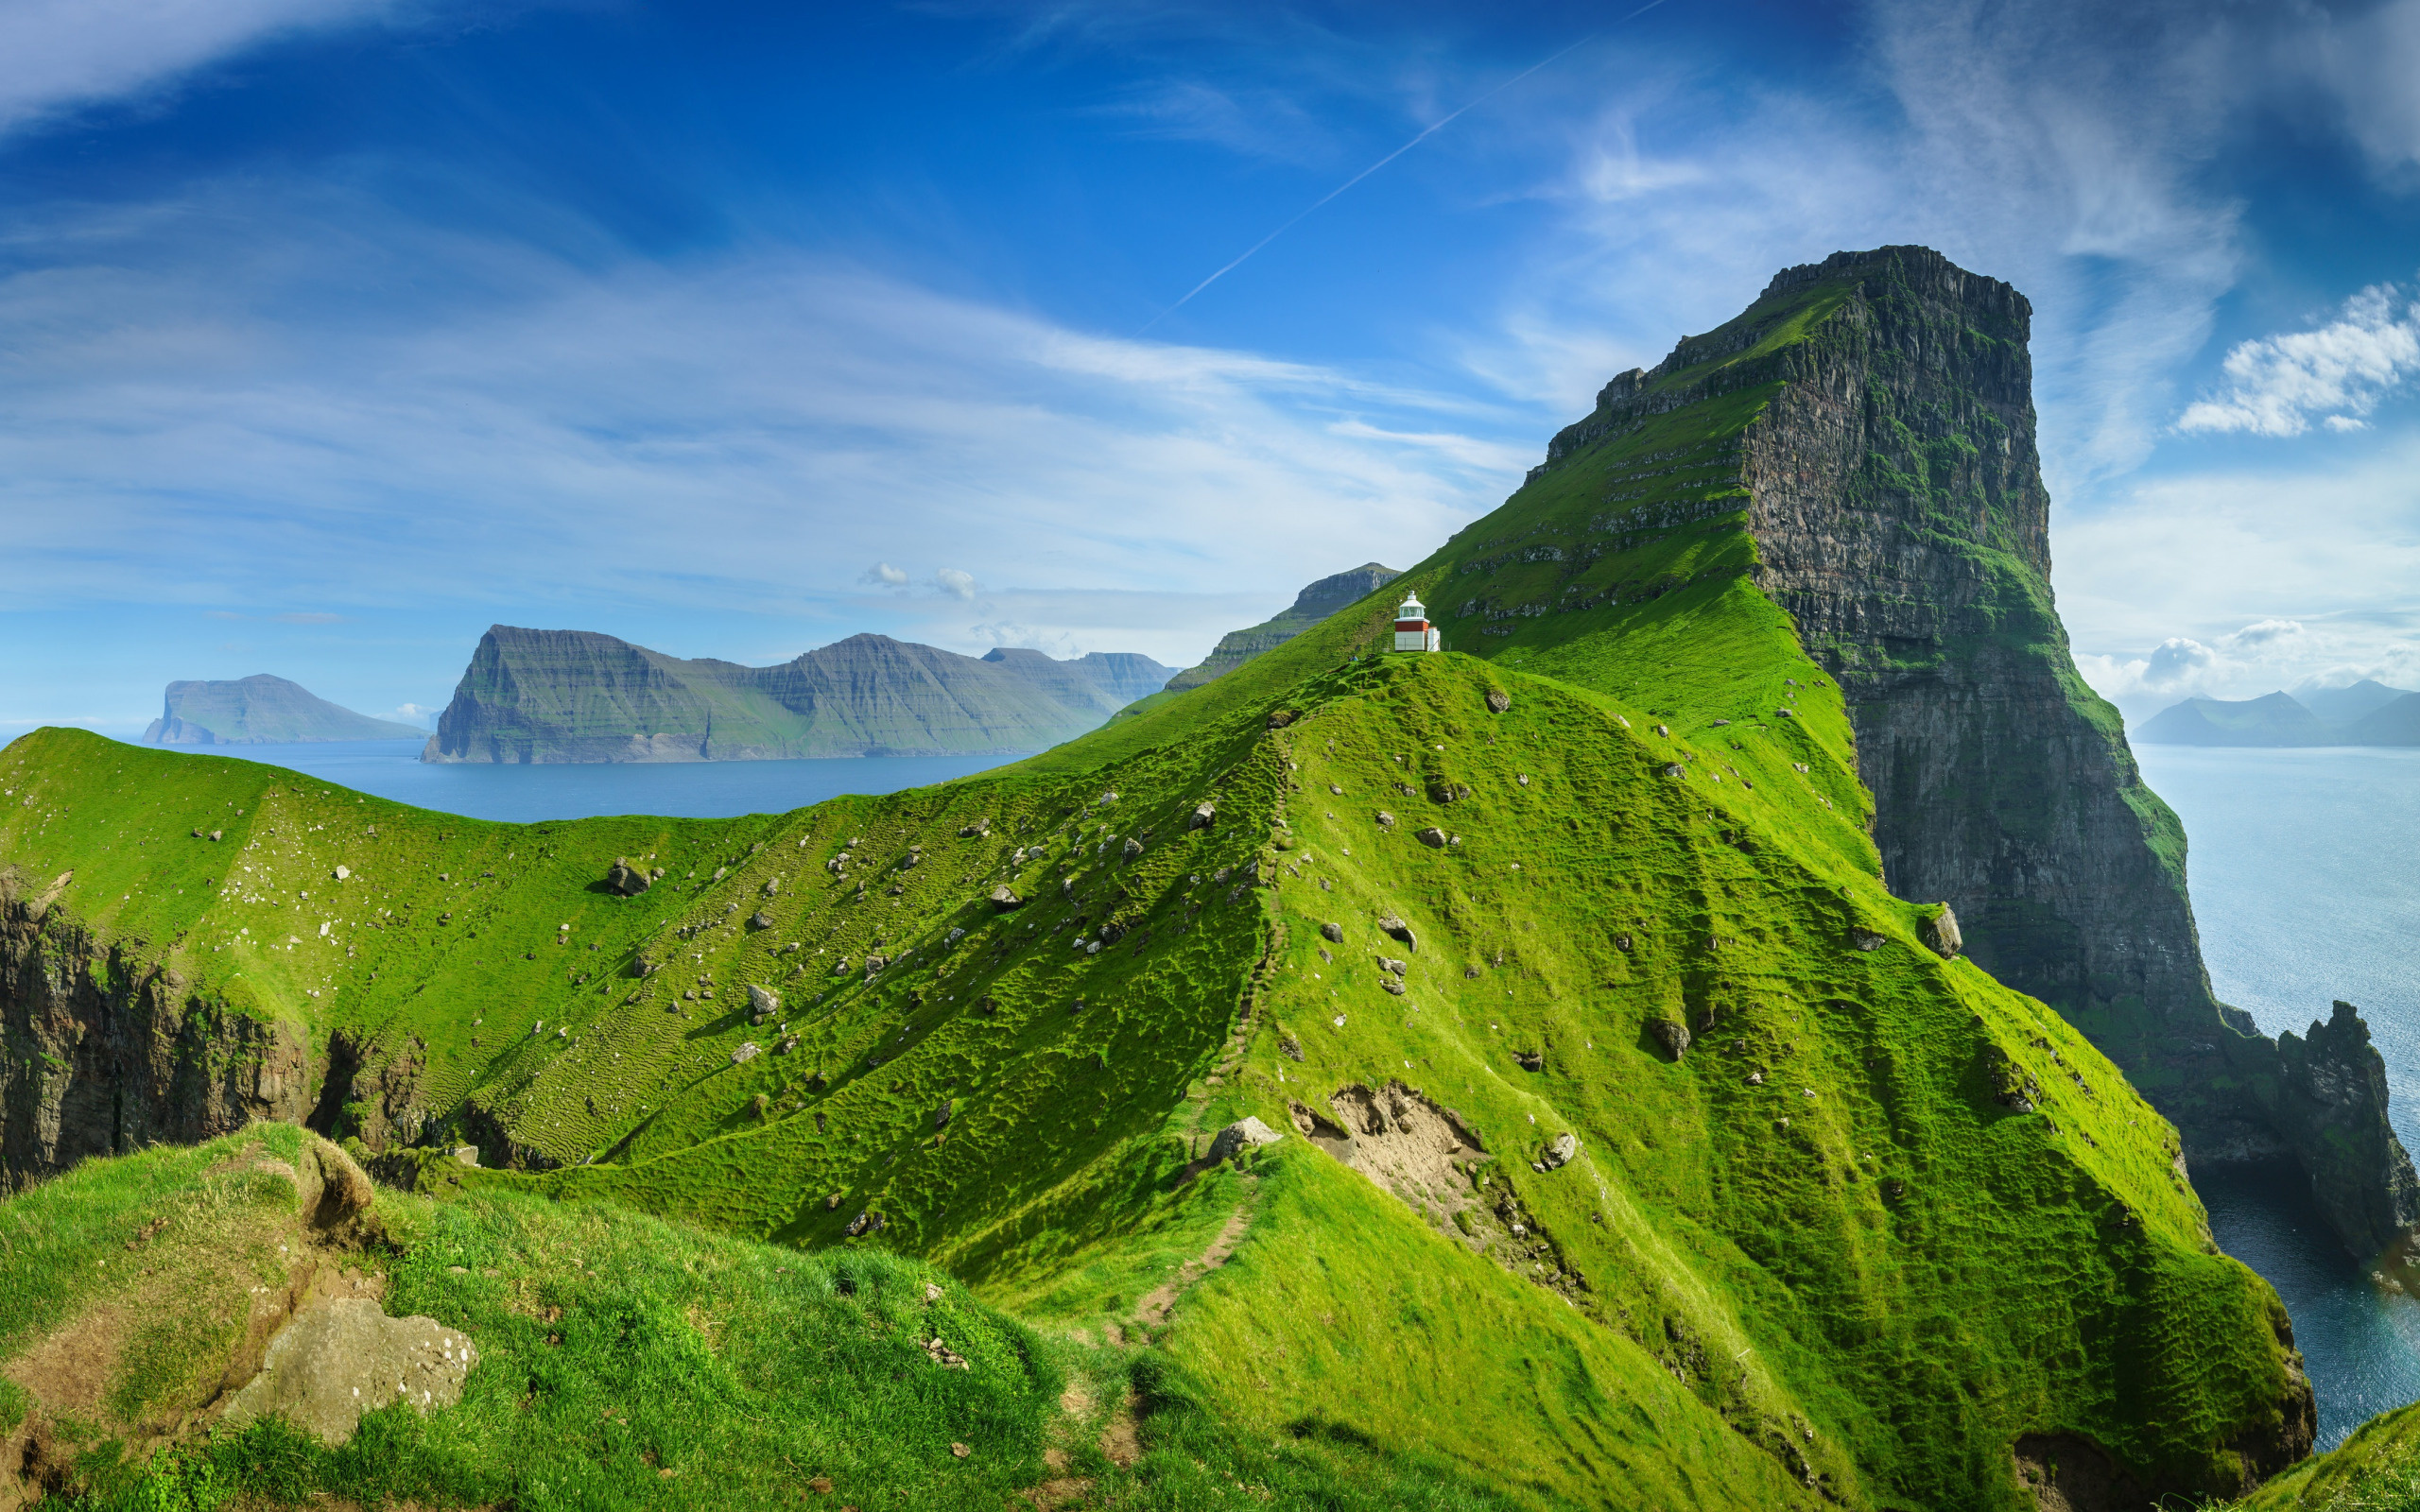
{"points": [[2301, 866], [524, 794]]}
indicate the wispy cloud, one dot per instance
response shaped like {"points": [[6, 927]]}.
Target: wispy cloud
{"points": [[2337, 373], [56, 55], [724, 433]]}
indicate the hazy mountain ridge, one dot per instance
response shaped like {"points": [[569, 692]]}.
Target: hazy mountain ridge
{"points": [[2367, 713], [261, 710], [576, 696]]}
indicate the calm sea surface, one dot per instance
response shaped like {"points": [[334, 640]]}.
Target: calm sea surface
{"points": [[2303, 884], [523, 795]]}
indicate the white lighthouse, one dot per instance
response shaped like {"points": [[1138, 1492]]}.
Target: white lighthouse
{"points": [[1412, 630]]}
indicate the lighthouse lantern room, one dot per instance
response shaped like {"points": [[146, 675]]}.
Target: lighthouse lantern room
{"points": [[1412, 630]]}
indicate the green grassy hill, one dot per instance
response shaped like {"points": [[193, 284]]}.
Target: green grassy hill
{"points": [[1884, 1234], [623, 1362]]}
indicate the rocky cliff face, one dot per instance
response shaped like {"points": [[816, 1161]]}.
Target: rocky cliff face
{"points": [[573, 696], [1312, 604], [102, 1052], [1897, 507]]}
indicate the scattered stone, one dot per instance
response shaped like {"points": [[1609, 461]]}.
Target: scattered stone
{"points": [[745, 1053], [760, 919], [1470, 973], [624, 881], [1134, 847], [1864, 939], [1249, 1133], [1395, 927], [1664, 730], [957, 1449], [1279, 719], [868, 1222], [1673, 1036], [1498, 700], [465, 1154], [1941, 934], [762, 1004], [1005, 900], [1291, 1048], [340, 1358], [1785, 713], [342, 872], [1755, 1079], [1205, 814], [1399, 968], [1530, 1059], [1559, 1152], [975, 831], [1622, 943], [1675, 769], [1333, 933], [941, 1118], [1432, 837], [1386, 820], [1331, 787], [1720, 723]]}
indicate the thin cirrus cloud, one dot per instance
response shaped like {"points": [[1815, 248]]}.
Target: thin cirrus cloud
{"points": [[723, 433], [2336, 374], [57, 54]]}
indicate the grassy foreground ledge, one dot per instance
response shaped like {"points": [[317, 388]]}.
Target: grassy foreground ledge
{"points": [[625, 1362]]}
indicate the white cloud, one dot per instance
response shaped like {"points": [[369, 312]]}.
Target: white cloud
{"points": [[2276, 385], [59, 53], [722, 433], [956, 584]]}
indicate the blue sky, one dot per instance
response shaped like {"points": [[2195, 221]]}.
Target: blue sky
{"points": [[332, 331]]}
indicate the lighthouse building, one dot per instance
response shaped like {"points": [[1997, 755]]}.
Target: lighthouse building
{"points": [[1412, 630]]}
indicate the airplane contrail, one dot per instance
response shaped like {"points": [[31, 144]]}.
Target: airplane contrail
{"points": [[1425, 134]]}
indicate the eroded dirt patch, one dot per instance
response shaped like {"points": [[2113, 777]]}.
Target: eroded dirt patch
{"points": [[1153, 1310], [1414, 1148]]}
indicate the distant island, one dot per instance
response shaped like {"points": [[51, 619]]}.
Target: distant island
{"points": [[261, 711], [2367, 713], [532, 696]]}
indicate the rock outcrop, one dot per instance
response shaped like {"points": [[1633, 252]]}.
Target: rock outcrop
{"points": [[571, 695], [102, 1052]]}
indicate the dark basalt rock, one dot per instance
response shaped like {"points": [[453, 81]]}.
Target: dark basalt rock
{"points": [[1900, 518], [625, 880]]}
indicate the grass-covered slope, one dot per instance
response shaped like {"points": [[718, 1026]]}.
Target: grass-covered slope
{"points": [[2377, 1469], [623, 1362], [1860, 1275], [1880, 1223]]}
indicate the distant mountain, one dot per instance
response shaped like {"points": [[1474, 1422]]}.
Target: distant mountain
{"points": [[574, 695], [261, 711], [1312, 604], [2395, 724], [2273, 720], [2349, 706]]}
